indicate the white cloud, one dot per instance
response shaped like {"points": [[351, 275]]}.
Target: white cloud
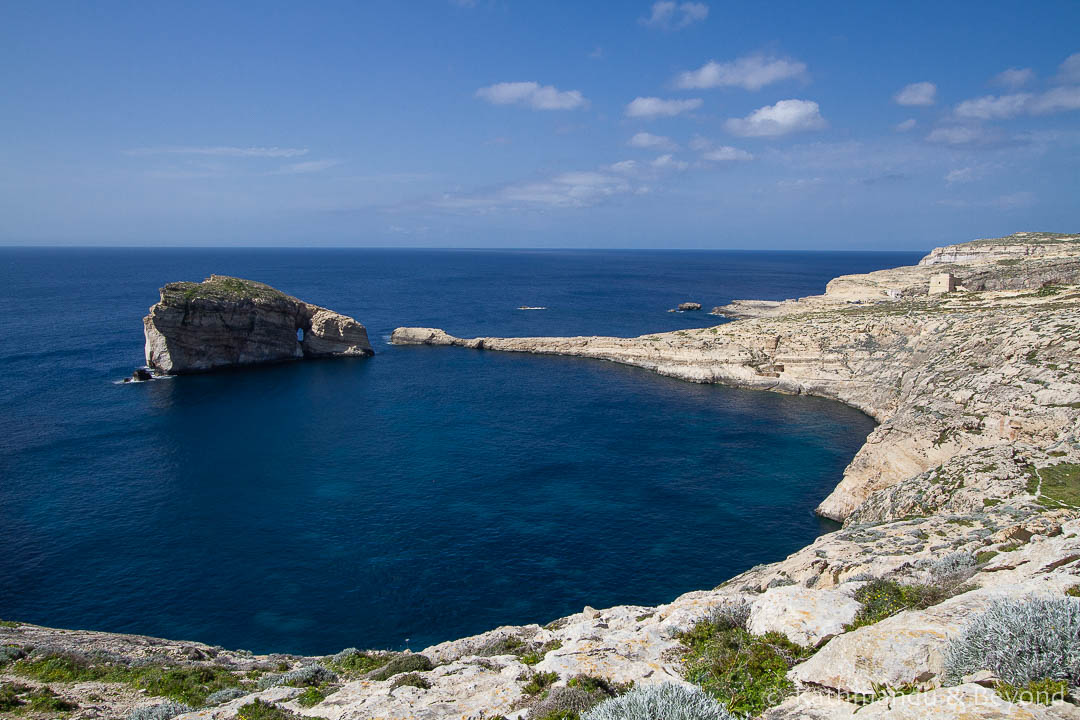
{"points": [[700, 143], [566, 190], [726, 153], [1056, 100], [668, 162], [1015, 200], [786, 116], [531, 94], [1014, 77], [992, 107], [669, 15], [303, 168], [908, 124], [995, 107], [624, 166], [956, 135], [960, 175], [751, 73], [1069, 70], [920, 93], [648, 107], [648, 140], [222, 151]]}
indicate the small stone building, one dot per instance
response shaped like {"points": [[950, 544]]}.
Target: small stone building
{"points": [[942, 283]]}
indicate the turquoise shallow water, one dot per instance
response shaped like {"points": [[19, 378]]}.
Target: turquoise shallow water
{"points": [[417, 496]]}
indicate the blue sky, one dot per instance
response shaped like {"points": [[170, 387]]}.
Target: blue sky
{"points": [[858, 125]]}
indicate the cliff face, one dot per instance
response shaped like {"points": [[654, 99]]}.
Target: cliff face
{"points": [[228, 322], [944, 375]]}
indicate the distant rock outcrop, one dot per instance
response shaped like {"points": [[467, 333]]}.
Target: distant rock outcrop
{"points": [[227, 322], [689, 306]]}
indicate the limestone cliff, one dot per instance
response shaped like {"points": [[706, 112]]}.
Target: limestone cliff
{"points": [[943, 375], [228, 322]]}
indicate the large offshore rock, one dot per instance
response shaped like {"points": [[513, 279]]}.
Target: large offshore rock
{"points": [[227, 322]]}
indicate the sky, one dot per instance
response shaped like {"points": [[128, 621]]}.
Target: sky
{"points": [[507, 123]]}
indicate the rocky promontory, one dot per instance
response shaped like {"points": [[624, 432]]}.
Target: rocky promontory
{"points": [[229, 322]]}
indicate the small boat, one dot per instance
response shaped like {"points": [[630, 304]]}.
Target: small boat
{"points": [[529, 307]]}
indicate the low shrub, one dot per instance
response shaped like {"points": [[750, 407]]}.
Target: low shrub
{"points": [[415, 680], [747, 672], [162, 711], [187, 684], [1044, 692], [539, 682], [1020, 641], [10, 653], [312, 696], [352, 662], [581, 693], [262, 710], [667, 701], [884, 598], [9, 695], [45, 700], [306, 676], [564, 702], [219, 697], [401, 664]]}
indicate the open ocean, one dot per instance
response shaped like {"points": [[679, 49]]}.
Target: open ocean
{"points": [[417, 496]]}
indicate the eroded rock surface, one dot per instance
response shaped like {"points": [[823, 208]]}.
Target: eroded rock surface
{"points": [[228, 322]]}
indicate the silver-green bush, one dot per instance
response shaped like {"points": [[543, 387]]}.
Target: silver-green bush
{"points": [[1020, 641], [224, 696], [162, 711], [652, 702], [301, 677]]}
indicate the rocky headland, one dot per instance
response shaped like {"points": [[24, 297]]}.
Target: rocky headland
{"points": [[966, 497], [229, 322]]}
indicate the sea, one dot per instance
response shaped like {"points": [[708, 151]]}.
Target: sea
{"points": [[421, 495]]}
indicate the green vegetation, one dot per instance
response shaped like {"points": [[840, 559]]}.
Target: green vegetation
{"points": [[538, 682], [415, 680], [313, 696], [190, 685], [9, 695], [991, 502], [45, 700], [884, 598], [9, 623], [1074, 591], [746, 672], [260, 710], [582, 693], [1060, 485], [1044, 691], [1048, 290], [351, 662], [225, 288], [534, 656], [403, 664], [985, 556]]}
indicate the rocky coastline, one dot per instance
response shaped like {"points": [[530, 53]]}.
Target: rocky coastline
{"points": [[966, 495], [227, 322]]}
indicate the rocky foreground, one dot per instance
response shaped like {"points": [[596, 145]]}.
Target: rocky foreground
{"points": [[229, 322], [965, 497]]}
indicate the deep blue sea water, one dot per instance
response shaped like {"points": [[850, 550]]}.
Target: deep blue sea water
{"points": [[420, 495]]}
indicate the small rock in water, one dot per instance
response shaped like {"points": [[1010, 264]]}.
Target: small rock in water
{"points": [[141, 375], [689, 306]]}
